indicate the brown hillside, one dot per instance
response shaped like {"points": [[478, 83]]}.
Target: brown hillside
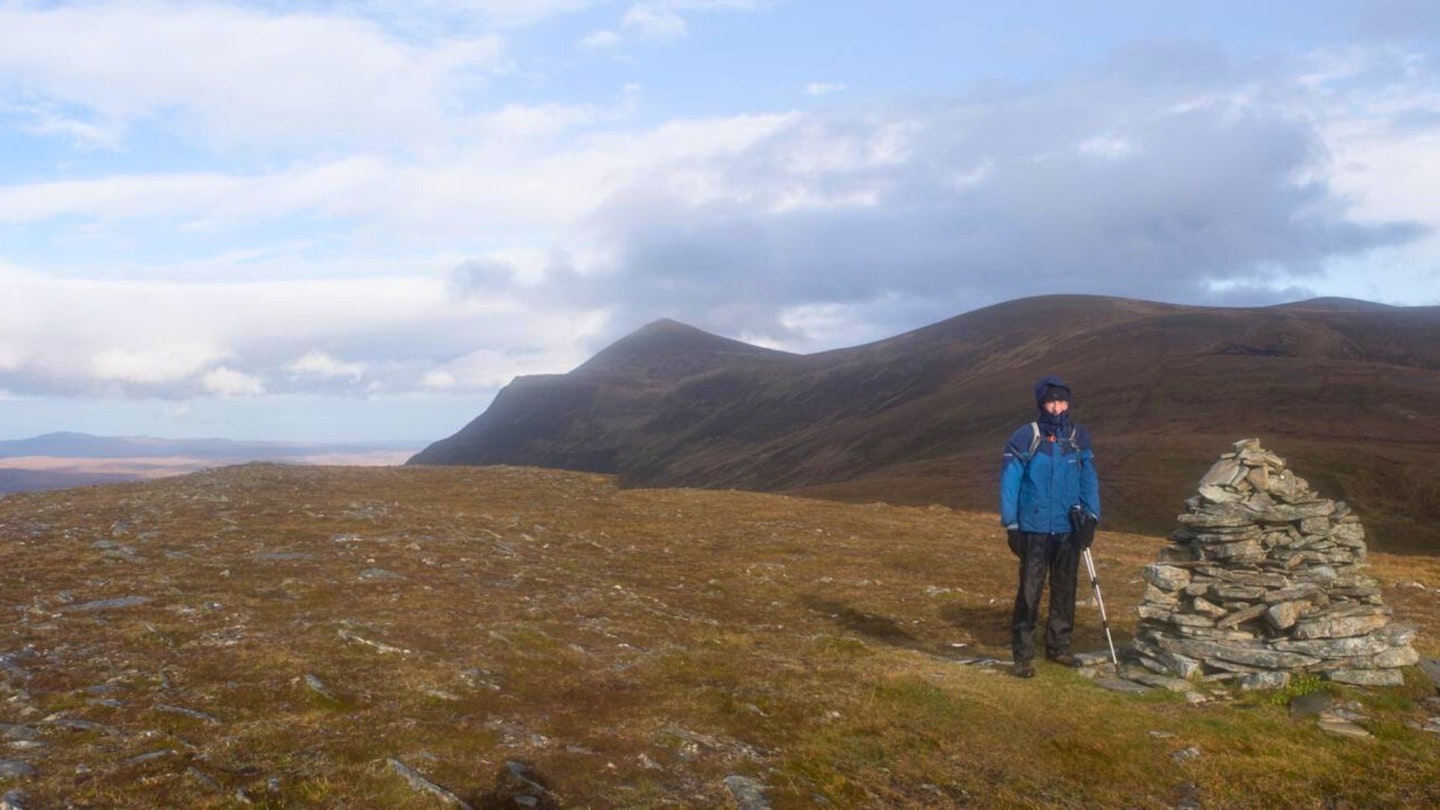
{"points": [[1341, 388], [278, 636]]}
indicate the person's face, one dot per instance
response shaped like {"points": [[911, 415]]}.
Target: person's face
{"points": [[1055, 407]]}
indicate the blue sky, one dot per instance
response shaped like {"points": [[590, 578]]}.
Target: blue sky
{"points": [[348, 221]]}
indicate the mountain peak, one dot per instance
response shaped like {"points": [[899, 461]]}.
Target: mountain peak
{"points": [[667, 349]]}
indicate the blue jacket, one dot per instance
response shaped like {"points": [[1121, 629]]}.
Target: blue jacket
{"points": [[1036, 492]]}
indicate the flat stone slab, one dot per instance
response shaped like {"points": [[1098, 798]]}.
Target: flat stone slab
{"points": [[106, 604], [1431, 668], [1344, 729], [1367, 677], [1118, 685], [1093, 659], [1156, 680]]}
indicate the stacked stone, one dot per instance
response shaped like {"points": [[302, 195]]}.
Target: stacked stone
{"points": [[1263, 579]]}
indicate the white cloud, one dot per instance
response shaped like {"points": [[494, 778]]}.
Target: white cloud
{"points": [[319, 364], [156, 364], [511, 183], [174, 339], [43, 121], [823, 88], [438, 380], [505, 13], [1106, 146], [536, 228], [227, 382], [238, 76], [602, 40], [488, 369], [520, 121], [655, 21], [665, 20]]}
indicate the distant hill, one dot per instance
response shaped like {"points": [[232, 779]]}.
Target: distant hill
{"points": [[38, 480], [84, 445], [1341, 388], [64, 460]]}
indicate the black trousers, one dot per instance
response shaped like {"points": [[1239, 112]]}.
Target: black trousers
{"points": [[1057, 556]]}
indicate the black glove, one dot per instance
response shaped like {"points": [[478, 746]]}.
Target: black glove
{"points": [[1082, 526], [1016, 541]]}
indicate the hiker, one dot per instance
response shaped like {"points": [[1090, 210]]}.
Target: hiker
{"points": [[1048, 490]]}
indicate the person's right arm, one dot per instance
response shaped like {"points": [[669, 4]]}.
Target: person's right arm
{"points": [[1011, 471]]}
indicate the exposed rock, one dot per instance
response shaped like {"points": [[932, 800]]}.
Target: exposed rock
{"points": [[374, 645], [314, 684], [1282, 615], [1431, 668], [1366, 677], [1158, 681], [151, 756], [193, 714], [1123, 685], [21, 733], [106, 604], [1166, 577], [1341, 626], [203, 778], [1186, 754], [749, 794], [78, 724], [518, 784], [13, 768], [1263, 579], [420, 783], [1343, 728], [1269, 679]]}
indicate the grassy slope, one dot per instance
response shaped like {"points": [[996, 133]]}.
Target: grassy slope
{"points": [[637, 646]]}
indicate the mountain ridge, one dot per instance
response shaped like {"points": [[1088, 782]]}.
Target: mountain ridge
{"points": [[919, 417]]}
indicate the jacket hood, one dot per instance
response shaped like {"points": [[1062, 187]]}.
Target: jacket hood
{"points": [[1051, 424], [1047, 382]]}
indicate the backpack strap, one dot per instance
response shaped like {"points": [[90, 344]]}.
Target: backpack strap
{"points": [[1034, 440]]}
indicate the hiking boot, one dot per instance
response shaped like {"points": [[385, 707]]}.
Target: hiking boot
{"points": [[1024, 669], [1064, 659]]}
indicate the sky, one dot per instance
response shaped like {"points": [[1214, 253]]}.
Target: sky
{"points": [[348, 221]]}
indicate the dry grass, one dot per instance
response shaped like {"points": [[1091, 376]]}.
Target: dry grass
{"points": [[636, 646]]}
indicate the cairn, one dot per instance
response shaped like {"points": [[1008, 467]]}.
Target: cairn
{"points": [[1262, 580]]}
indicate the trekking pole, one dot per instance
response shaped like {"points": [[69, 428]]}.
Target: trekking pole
{"points": [[1095, 583]]}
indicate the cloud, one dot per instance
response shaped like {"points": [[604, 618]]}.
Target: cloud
{"points": [[226, 382], [176, 340], [235, 76], [602, 40], [823, 88], [320, 364], [658, 20], [155, 364], [541, 230], [1193, 189], [512, 182], [664, 20], [504, 13]]}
